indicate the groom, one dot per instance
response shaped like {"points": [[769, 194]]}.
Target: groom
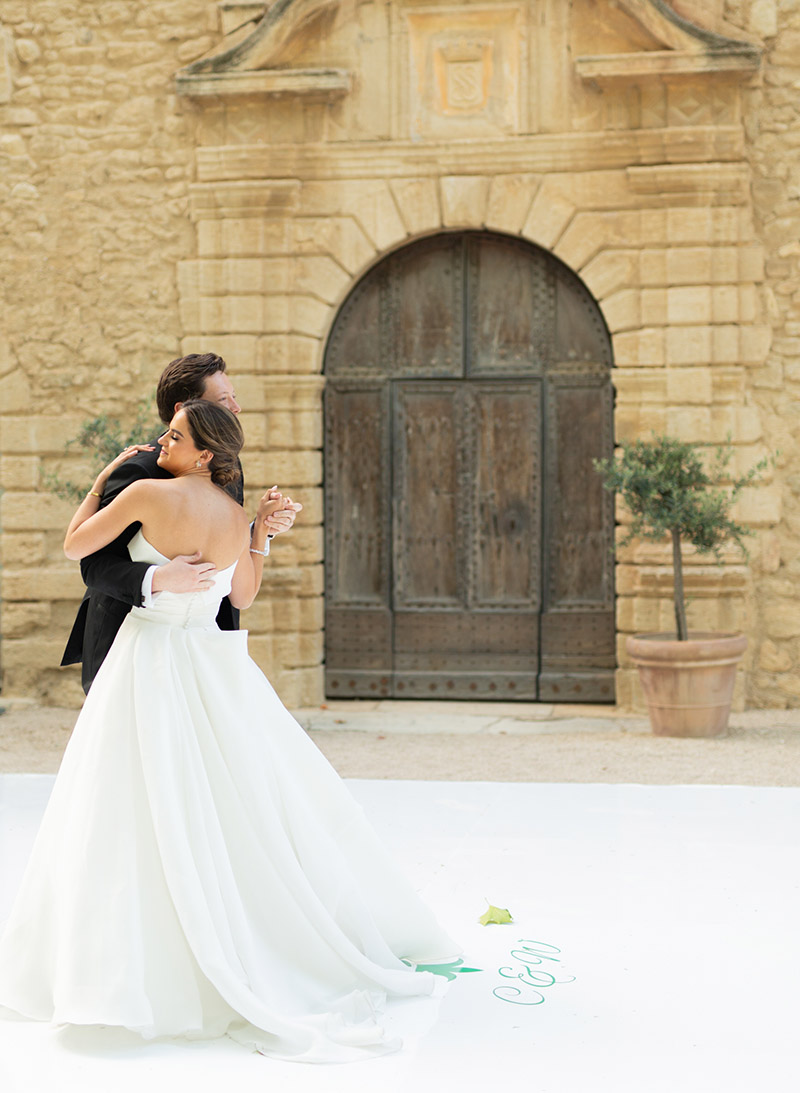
{"points": [[113, 582]]}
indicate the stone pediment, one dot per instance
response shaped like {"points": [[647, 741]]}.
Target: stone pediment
{"points": [[688, 49], [251, 59]]}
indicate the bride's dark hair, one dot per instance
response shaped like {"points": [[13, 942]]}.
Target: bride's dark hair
{"points": [[214, 428]]}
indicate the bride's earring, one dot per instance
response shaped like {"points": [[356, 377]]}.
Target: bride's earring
{"points": [[198, 463]]}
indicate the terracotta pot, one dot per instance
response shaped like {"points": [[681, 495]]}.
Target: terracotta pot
{"points": [[688, 685]]}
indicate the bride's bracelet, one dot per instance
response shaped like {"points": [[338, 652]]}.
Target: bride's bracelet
{"points": [[263, 553]]}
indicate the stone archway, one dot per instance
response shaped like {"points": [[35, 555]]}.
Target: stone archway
{"points": [[468, 537]]}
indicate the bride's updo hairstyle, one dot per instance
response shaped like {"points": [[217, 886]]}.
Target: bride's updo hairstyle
{"points": [[214, 428]]}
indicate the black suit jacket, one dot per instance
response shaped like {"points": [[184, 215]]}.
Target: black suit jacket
{"points": [[114, 582]]}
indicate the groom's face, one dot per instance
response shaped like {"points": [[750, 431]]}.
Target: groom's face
{"points": [[218, 388]]}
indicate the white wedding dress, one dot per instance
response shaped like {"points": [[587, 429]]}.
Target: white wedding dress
{"points": [[201, 868]]}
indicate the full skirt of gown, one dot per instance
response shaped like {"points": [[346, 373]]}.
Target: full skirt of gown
{"points": [[201, 869]]}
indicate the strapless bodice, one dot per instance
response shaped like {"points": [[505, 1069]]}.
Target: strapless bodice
{"points": [[186, 609]]}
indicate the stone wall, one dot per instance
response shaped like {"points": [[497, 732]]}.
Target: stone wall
{"points": [[772, 127], [139, 224]]}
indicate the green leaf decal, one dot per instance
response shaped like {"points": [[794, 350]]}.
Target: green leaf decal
{"points": [[449, 971], [495, 916]]}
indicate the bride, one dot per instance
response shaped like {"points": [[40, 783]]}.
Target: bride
{"points": [[200, 868]]}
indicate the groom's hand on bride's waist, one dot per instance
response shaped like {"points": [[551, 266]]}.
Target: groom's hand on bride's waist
{"points": [[185, 573]]}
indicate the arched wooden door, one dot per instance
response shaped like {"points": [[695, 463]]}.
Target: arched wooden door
{"points": [[468, 539]]}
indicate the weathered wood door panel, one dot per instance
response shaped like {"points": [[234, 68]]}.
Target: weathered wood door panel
{"points": [[578, 630], [358, 616], [466, 539], [467, 536]]}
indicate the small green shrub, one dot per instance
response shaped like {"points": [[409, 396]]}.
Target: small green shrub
{"points": [[101, 439], [668, 491]]}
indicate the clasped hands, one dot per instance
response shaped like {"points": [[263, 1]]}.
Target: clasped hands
{"points": [[187, 573]]}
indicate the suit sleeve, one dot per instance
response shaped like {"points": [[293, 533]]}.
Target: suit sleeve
{"points": [[110, 569]]}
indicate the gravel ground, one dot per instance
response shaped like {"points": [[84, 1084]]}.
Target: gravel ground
{"points": [[482, 742]]}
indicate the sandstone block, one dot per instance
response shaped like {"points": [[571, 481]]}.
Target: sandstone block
{"points": [[768, 553], [641, 617], [610, 271], [238, 350], [759, 506], [245, 236], [295, 392], [261, 648], [728, 384], [418, 203], [703, 224], [688, 265], [689, 385], [255, 431], [41, 435], [654, 306], [22, 619], [280, 354], [622, 310], [63, 688], [342, 238], [53, 583], [312, 499], [32, 512], [309, 316], [653, 266], [633, 423], [688, 344], [742, 423], [782, 621], [733, 614], [285, 614], [509, 202], [234, 276], [640, 348], [307, 687], [725, 303], [33, 653], [549, 216], [294, 429], [755, 341], [291, 469], [588, 233], [318, 275], [301, 650], [28, 50], [214, 315], [640, 385], [464, 200], [629, 697], [305, 580], [691, 423], [370, 201], [22, 548], [625, 614], [19, 472], [7, 359], [689, 304], [725, 342], [308, 543], [751, 262], [787, 684], [17, 395]]}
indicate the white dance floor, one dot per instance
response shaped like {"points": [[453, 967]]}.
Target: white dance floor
{"points": [[666, 919]]}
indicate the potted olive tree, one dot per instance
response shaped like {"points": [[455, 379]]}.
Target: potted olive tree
{"points": [[687, 676]]}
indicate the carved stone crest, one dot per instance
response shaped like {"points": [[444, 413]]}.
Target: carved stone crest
{"points": [[464, 71], [463, 75]]}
